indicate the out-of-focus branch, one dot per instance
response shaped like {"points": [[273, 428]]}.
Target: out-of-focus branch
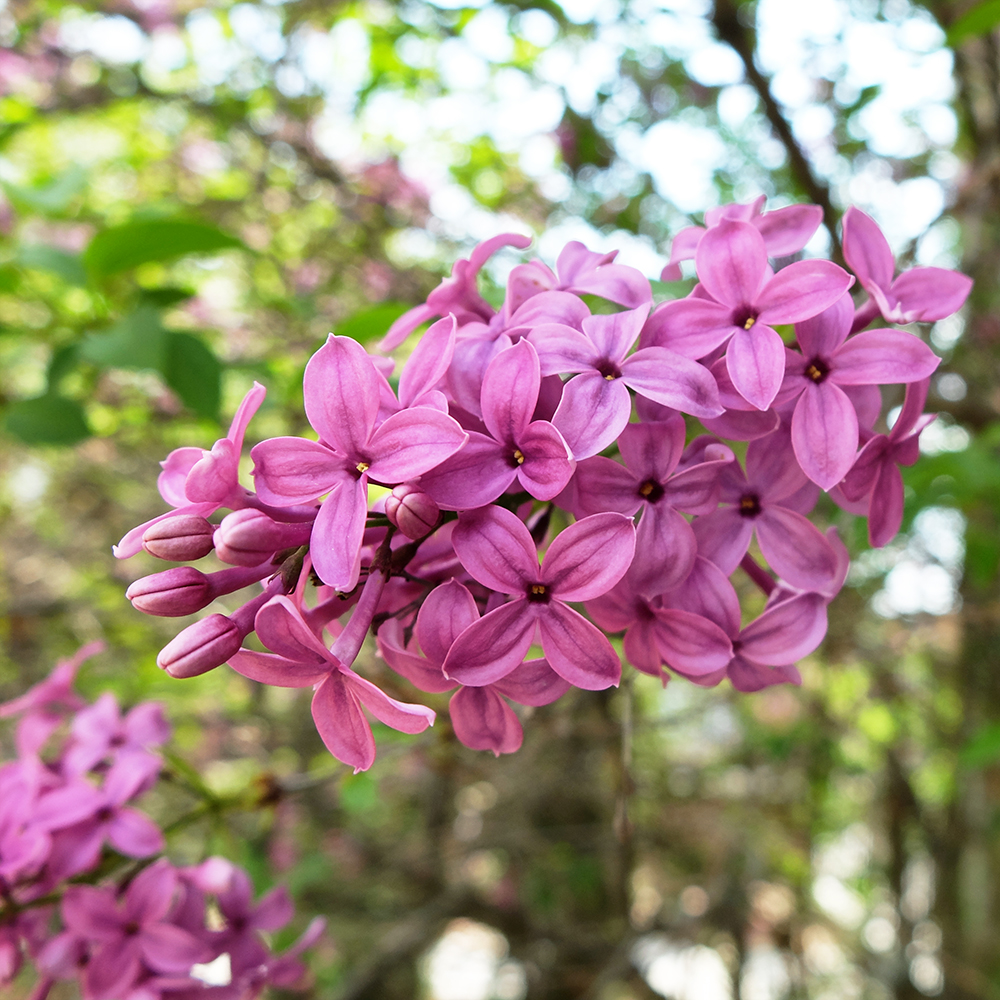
{"points": [[743, 40]]}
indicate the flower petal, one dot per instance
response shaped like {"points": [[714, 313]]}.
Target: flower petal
{"points": [[473, 477], [693, 327], [785, 632], [670, 379], [866, 250], [603, 484], [927, 294], [562, 350], [787, 230], [577, 650], [291, 470], [337, 534], [823, 333], [723, 537], [589, 557], [614, 334], [592, 413], [497, 549], [534, 683], [825, 433], [510, 391], [801, 290], [796, 549], [398, 714], [412, 442], [341, 723], [341, 394], [493, 646], [484, 721], [755, 360], [692, 644], [883, 357], [278, 671], [548, 464], [429, 362], [732, 263], [448, 610]]}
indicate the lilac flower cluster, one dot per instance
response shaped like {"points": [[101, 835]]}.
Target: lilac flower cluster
{"points": [[64, 821], [605, 441]]}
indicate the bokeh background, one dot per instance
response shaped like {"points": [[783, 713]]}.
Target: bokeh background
{"points": [[192, 195]]}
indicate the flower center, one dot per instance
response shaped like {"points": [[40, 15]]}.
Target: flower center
{"points": [[817, 370], [744, 318], [749, 505], [609, 370], [538, 593], [517, 457], [362, 467], [651, 491]]}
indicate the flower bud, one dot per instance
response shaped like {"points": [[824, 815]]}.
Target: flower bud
{"points": [[201, 647], [412, 510], [249, 537], [179, 539], [172, 593]]}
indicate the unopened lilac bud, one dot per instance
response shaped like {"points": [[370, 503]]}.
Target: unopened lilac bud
{"points": [[412, 510], [179, 539], [249, 537], [172, 593], [201, 647]]}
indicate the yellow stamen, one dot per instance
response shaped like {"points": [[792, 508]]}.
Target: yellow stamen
{"points": [[749, 323], [362, 467], [645, 489], [814, 373], [748, 503], [538, 588], [609, 378], [519, 456]]}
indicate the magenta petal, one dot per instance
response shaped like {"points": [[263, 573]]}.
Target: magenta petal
{"points": [[429, 361], [493, 646], [134, 834], [640, 649], [602, 484], [497, 549], [274, 911], [823, 333], [446, 613], [788, 230], [796, 549], [291, 470], [801, 290], [859, 481], [418, 670], [755, 360], [484, 721], [337, 534], [749, 677], [405, 325], [885, 509], [693, 327], [589, 557], [592, 413], [665, 549], [696, 490], [510, 390], [412, 442], [577, 650], [690, 643], [743, 425], [130, 772], [707, 592], [927, 294], [825, 433], [473, 477], [732, 263], [534, 683], [878, 357], [562, 350], [785, 632], [172, 479], [772, 468], [341, 390], [167, 948], [548, 465], [670, 379], [397, 714], [614, 611], [613, 334], [723, 537], [113, 969], [150, 894], [213, 477], [341, 723], [278, 671], [91, 913], [866, 250], [280, 627], [652, 449]]}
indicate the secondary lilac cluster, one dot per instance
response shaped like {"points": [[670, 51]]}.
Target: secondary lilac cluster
{"points": [[70, 899], [579, 447]]}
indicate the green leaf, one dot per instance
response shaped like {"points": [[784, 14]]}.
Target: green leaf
{"points": [[61, 364], [980, 20], [371, 322], [194, 373], [140, 242], [983, 747], [165, 297], [137, 341], [39, 257], [52, 198], [47, 419]]}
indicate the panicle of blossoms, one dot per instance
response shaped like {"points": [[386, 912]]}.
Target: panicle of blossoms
{"points": [[66, 813], [579, 463]]}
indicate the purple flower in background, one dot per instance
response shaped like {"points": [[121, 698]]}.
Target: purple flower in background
{"points": [[583, 562], [825, 423], [480, 716], [785, 230], [875, 475], [922, 294], [131, 937], [596, 404], [747, 301], [100, 730], [341, 388]]}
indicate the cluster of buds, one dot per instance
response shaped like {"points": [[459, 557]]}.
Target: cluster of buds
{"points": [[131, 926], [639, 449]]}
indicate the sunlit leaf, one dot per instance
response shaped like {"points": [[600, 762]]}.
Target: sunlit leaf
{"points": [[137, 341], [52, 198], [980, 20], [193, 372], [39, 257], [48, 419], [372, 322]]}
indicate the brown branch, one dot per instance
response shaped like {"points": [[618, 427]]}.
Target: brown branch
{"points": [[743, 41]]}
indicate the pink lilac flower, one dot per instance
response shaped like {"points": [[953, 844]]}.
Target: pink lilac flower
{"points": [[342, 401], [745, 302], [875, 475], [785, 231], [755, 502], [825, 423], [481, 718], [596, 405], [583, 562], [99, 731], [921, 294], [531, 451]]}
